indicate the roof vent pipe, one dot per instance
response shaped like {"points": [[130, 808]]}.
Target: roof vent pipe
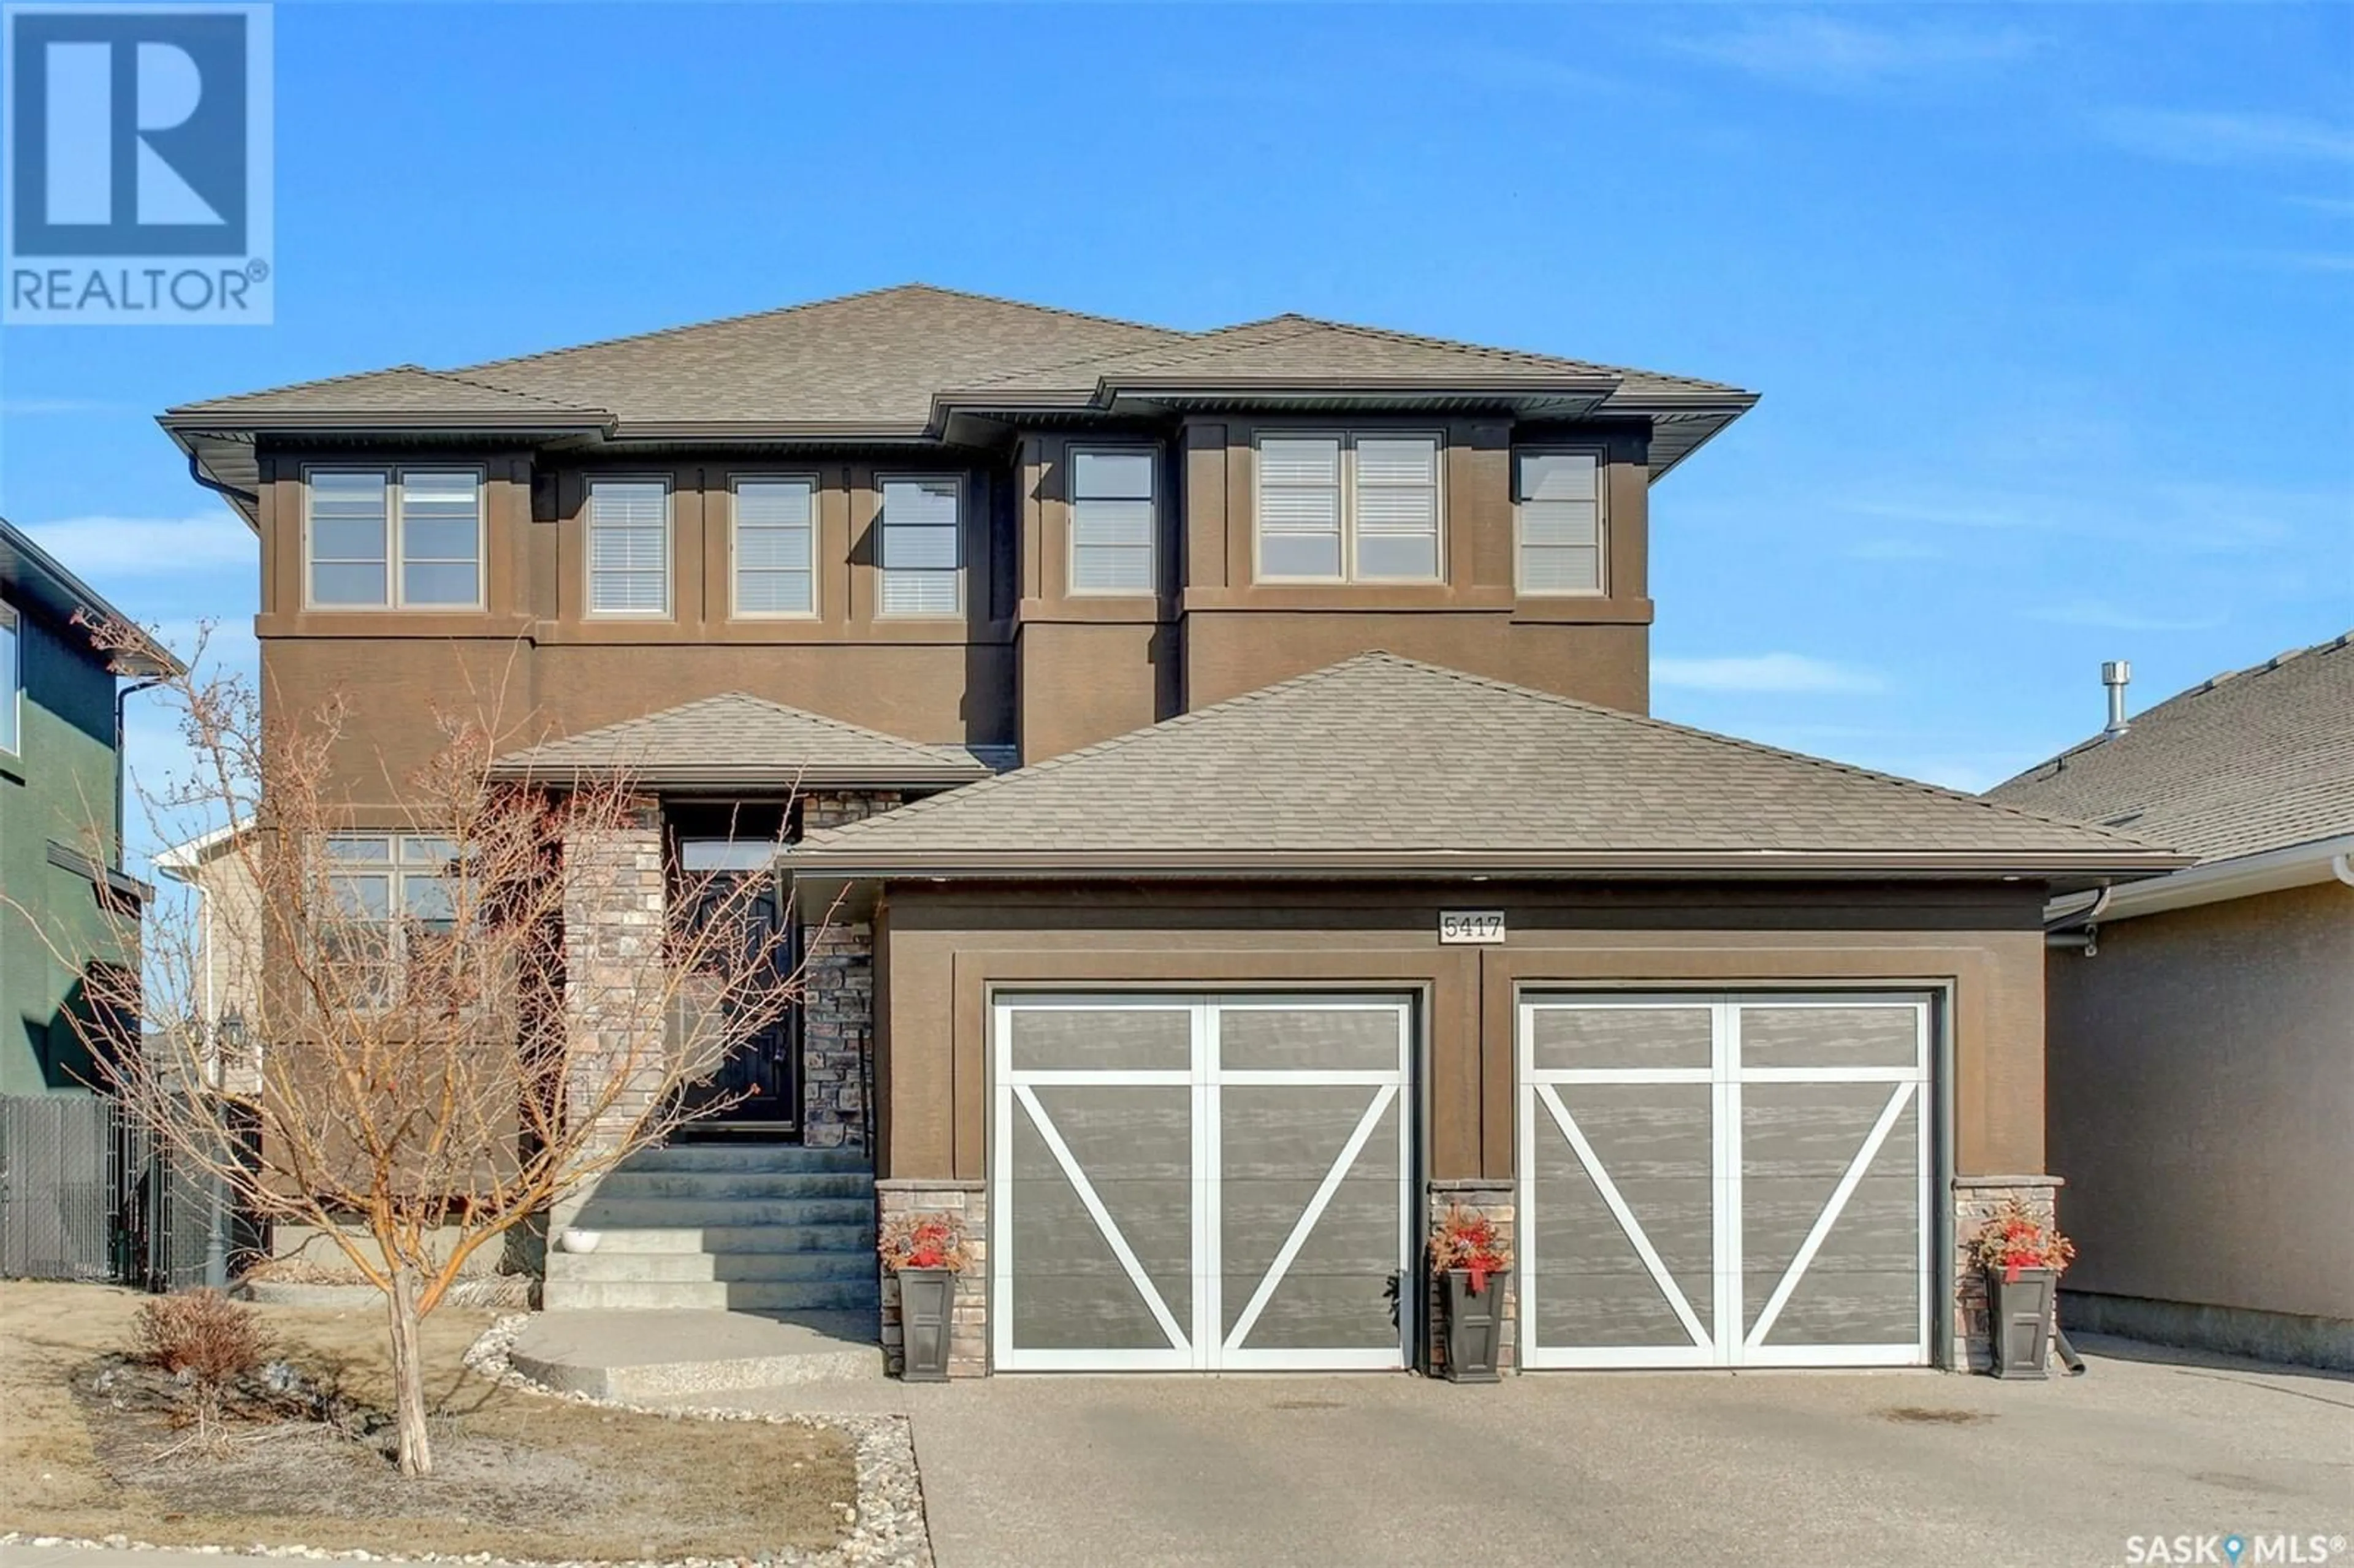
{"points": [[2115, 674]]}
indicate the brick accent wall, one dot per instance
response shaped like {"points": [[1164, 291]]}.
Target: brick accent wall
{"points": [[838, 1003], [612, 921], [1976, 1198], [1496, 1199], [969, 1334]]}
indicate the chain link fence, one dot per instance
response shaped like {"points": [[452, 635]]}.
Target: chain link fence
{"points": [[86, 1194]]}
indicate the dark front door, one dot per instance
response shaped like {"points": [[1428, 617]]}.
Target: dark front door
{"points": [[758, 1087]]}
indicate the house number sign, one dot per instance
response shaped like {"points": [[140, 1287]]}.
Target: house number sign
{"points": [[1485, 926]]}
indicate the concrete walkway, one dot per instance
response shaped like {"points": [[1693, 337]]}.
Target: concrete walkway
{"points": [[1895, 1469]]}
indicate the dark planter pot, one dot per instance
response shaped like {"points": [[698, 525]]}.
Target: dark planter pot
{"points": [[1475, 1328], [2020, 1313], [927, 1297]]}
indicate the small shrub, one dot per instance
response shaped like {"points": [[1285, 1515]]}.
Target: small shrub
{"points": [[1466, 1239], [205, 1340], [2016, 1237], [922, 1241]]}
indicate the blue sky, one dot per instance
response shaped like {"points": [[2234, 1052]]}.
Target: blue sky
{"points": [[2052, 309]]}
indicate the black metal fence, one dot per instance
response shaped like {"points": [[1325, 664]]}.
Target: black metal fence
{"points": [[86, 1194]]}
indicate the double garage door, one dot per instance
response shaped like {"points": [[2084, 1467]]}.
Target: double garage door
{"points": [[1203, 1182]]}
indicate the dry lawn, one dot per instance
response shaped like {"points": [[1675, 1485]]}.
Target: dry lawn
{"points": [[516, 1475]]}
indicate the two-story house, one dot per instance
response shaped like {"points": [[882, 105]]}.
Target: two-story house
{"points": [[1230, 752]]}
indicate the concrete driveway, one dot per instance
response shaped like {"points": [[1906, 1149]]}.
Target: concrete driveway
{"points": [[1616, 1469]]}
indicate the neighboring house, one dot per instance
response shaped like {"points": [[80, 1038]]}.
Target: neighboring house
{"points": [[1340, 877], [2201, 1026], [61, 872]]}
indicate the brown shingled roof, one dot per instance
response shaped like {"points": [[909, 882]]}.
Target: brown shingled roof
{"points": [[1383, 765], [736, 740], [2254, 760]]}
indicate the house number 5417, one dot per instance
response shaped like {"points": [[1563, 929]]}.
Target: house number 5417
{"points": [[1470, 924]]}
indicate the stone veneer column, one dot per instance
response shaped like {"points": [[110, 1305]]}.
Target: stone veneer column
{"points": [[613, 898], [838, 996], [968, 1328], [1498, 1199], [1976, 1198]]}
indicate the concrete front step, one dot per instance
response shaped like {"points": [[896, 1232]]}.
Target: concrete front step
{"points": [[727, 1185], [603, 1213], [603, 1267], [732, 1239], [565, 1295], [749, 1156], [633, 1355]]}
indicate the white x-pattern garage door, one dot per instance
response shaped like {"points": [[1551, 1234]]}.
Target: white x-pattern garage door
{"points": [[1721, 1181], [1193, 1182]]}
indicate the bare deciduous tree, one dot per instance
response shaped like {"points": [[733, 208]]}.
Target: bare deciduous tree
{"points": [[425, 1062]]}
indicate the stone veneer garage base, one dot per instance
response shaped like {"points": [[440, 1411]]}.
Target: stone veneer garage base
{"points": [[968, 1203]]}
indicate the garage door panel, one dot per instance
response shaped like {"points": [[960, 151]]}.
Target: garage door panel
{"points": [[1618, 1310], [1083, 1312], [1077, 1291], [1317, 1310], [1071, 1039], [1848, 1307], [1353, 1039], [1621, 1037], [1818, 1035], [1806, 1130], [1130, 1147]]}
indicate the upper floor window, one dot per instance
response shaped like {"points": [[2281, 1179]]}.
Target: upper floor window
{"points": [[775, 546], [628, 546], [1558, 497], [920, 547], [1112, 523], [12, 680], [395, 920], [1347, 508], [395, 539]]}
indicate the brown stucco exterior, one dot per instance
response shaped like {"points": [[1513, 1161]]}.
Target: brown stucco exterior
{"points": [[941, 950], [2201, 1073], [1029, 662]]}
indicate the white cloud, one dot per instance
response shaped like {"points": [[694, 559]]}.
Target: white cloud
{"points": [[1763, 673], [1810, 49], [2226, 136], [99, 548]]}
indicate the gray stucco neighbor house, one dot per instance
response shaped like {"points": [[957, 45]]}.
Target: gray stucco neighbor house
{"points": [[2200, 1025]]}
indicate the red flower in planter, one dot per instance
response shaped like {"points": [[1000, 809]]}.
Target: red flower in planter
{"points": [[2016, 1238], [1469, 1240], [923, 1241]]}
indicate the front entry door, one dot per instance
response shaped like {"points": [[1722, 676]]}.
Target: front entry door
{"points": [[1197, 1184], [756, 1087]]}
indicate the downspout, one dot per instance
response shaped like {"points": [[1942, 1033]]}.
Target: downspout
{"points": [[2082, 938], [121, 764], [227, 492]]}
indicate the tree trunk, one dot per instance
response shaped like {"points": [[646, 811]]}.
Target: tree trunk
{"points": [[408, 1377]]}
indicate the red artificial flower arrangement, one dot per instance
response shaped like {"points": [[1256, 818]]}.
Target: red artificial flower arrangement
{"points": [[922, 1241], [2016, 1238], [1467, 1240]]}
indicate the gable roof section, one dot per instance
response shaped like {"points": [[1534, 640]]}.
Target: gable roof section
{"points": [[737, 740], [37, 580], [1384, 766], [2253, 760]]}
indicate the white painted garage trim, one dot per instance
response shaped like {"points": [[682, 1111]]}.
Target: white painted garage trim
{"points": [[1626, 1217], [1848, 1183], [1101, 1216], [1249, 1319]]}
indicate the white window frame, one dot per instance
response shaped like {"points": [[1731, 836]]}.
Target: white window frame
{"points": [[1071, 456], [736, 611], [588, 547], [881, 530], [1601, 588], [1349, 438], [13, 743], [395, 546]]}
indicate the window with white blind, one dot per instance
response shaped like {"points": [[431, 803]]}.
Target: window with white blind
{"points": [[920, 547], [1558, 497], [775, 546], [393, 539], [628, 546], [1349, 508], [1112, 523]]}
